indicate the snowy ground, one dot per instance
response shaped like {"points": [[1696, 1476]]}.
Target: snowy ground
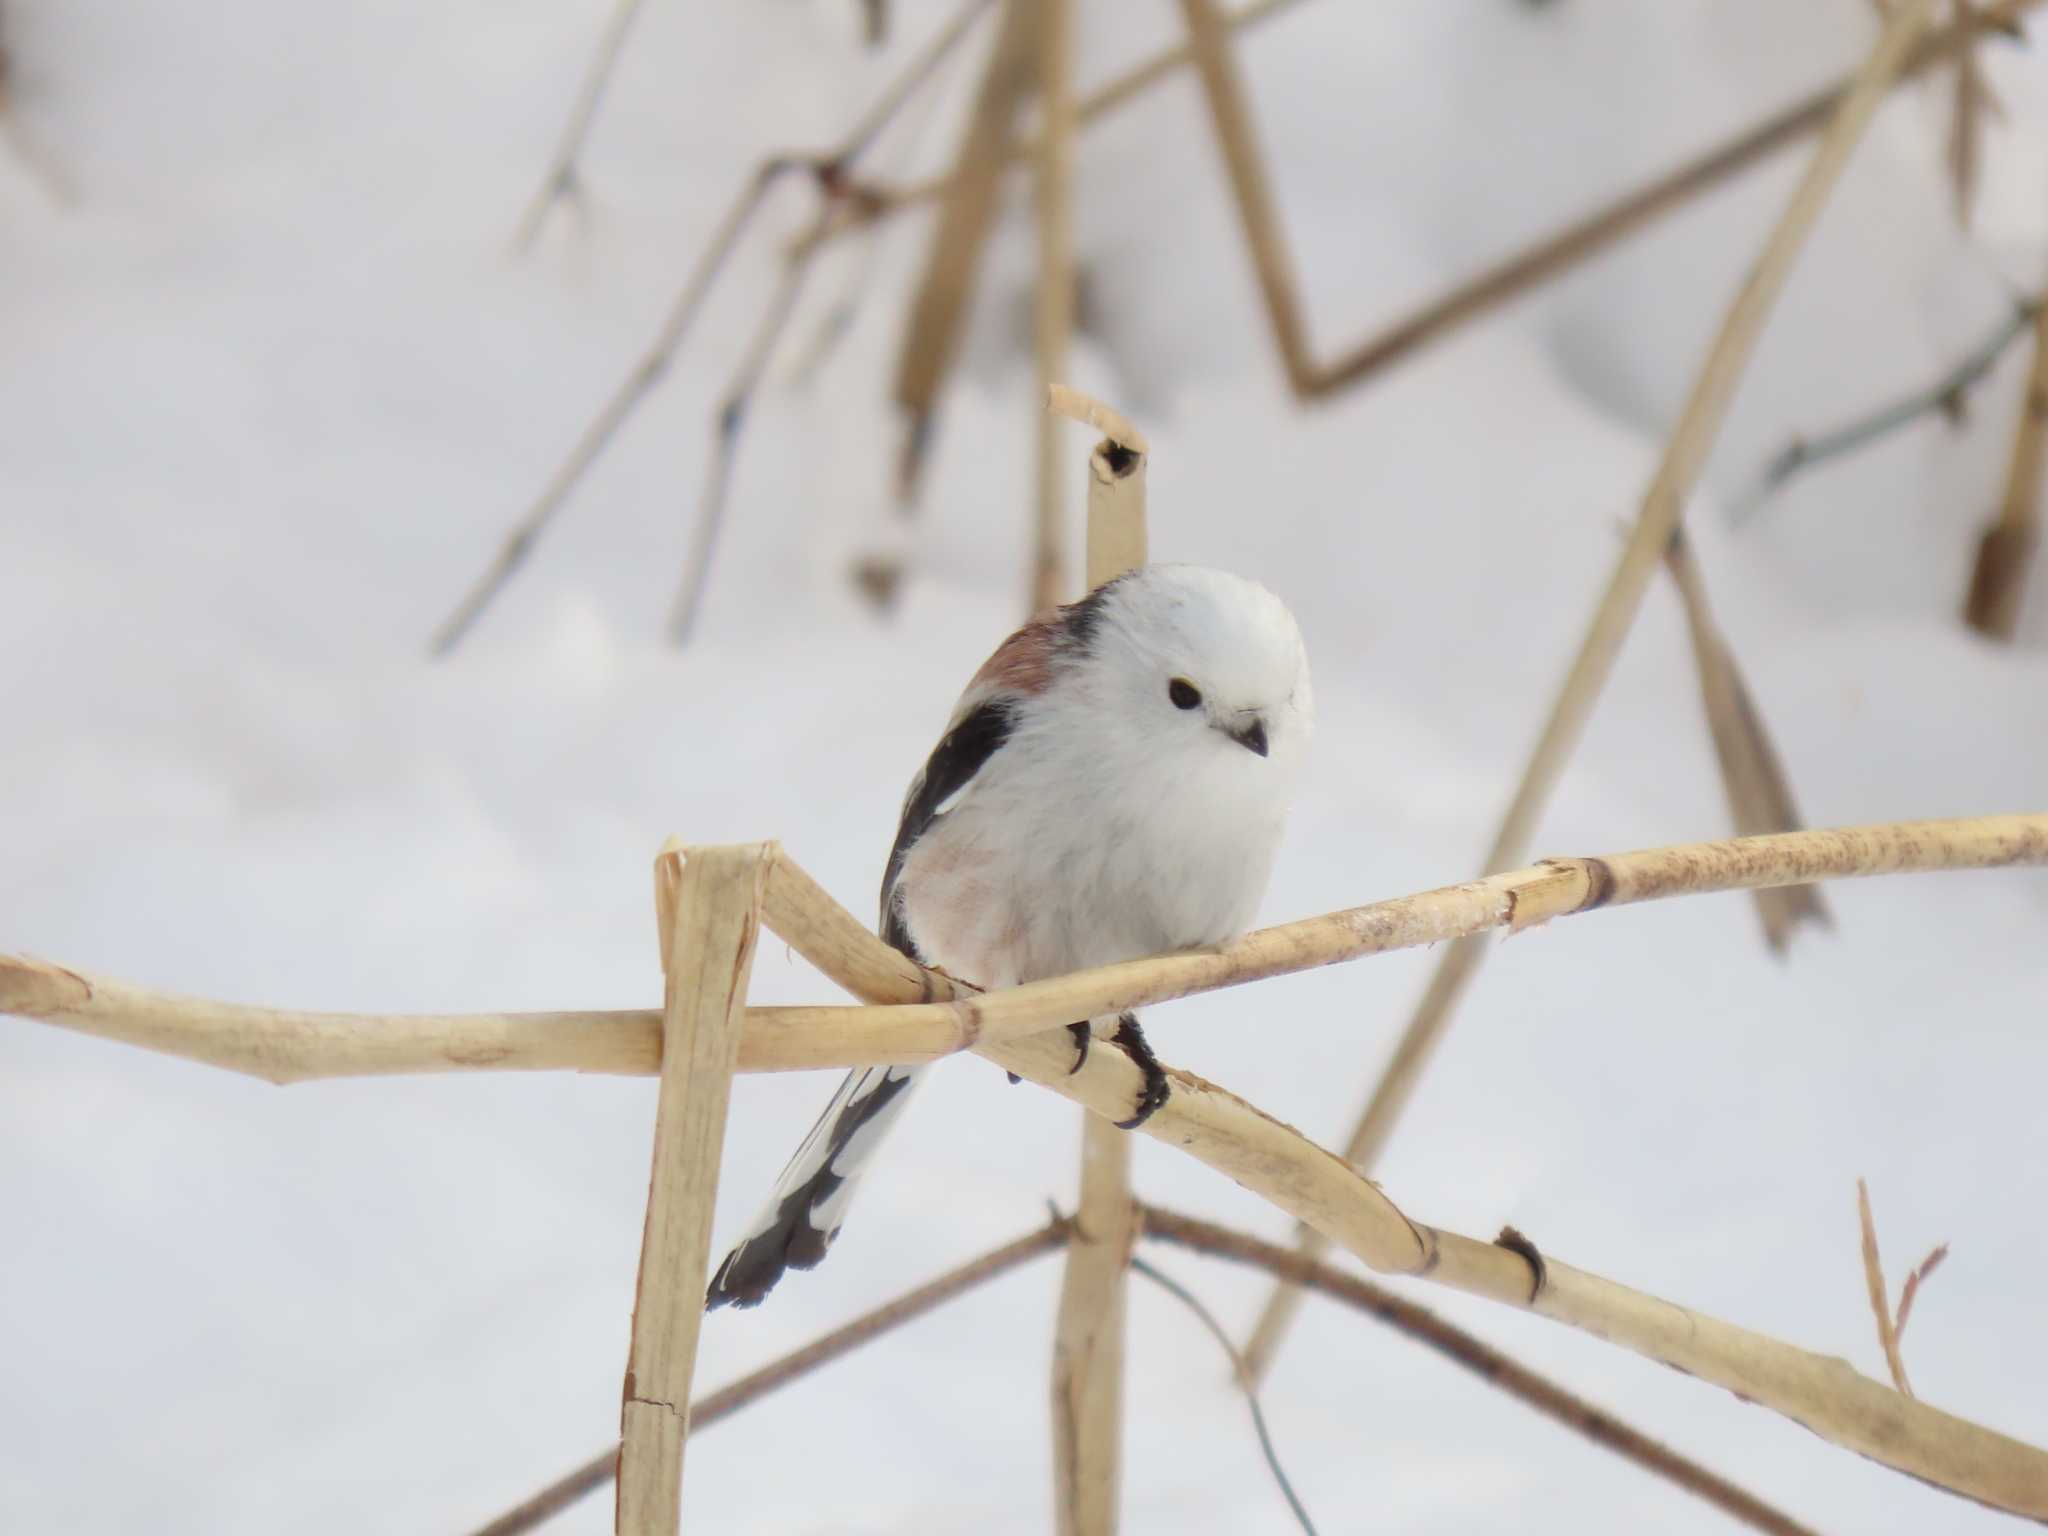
{"points": [[270, 392]]}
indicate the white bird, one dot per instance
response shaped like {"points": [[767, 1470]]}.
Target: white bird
{"points": [[1111, 785]]}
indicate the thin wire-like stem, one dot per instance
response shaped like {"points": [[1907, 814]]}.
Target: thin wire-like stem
{"points": [[1243, 1379], [1471, 1354], [561, 179], [1663, 504], [728, 1400], [728, 425], [646, 373], [1940, 398]]}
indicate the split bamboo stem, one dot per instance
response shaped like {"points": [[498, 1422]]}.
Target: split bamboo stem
{"points": [[929, 1015], [1663, 505], [2006, 553], [1088, 1340], [710, 910]]}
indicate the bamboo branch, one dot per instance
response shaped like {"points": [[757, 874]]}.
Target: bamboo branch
{"points": [[710, 907], [1759, 794], [1472, 1354], [1663, 504], [730, 1399], [1088, 1344], [932, 1016], [2005, 555]]}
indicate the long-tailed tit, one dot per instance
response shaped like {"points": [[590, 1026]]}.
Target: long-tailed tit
{"points": [[1111, 785]]}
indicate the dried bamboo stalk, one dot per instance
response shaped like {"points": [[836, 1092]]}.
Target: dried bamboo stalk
{"points": [[2005, 555], [1685, 456], [1278, 1164], [1473, 1354], [1759, 794], [1229, 114], [931, 338], [730, 1399], [1053, 310], [712, 914], [931, 1016], [1088, 1340]]}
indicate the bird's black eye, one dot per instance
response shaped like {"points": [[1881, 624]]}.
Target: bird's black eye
{"points": [[1185, 695]]}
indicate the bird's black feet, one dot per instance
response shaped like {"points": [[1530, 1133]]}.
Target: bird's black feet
{"points": [[1132, 1039], [1083, 1038]]}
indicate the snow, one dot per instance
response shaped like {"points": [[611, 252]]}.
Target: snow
{"points": [[272, 392]]}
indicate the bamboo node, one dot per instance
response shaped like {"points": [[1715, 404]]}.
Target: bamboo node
{"points": [[1063, 400], [1521, 1247]]}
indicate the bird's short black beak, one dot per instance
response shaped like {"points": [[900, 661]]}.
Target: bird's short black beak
{"points": [[1252, 738]]}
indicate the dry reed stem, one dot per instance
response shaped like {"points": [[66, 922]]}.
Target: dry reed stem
{"points": [[1473, 1354], [1278, 1164], [730, 1399], [931, 337], [1088, 1340], [561, 179], [710, 911], [1759, 794], [1223, 89], [931, 1016], [1880, 1305], [1546, 258], [2005, 555], [1053, 310], [1685, 455]]}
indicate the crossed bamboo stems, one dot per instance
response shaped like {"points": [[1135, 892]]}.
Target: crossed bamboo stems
{"points": [[713, 902]]}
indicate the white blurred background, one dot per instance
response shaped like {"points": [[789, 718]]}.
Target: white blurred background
{"points": [[271, 389]]}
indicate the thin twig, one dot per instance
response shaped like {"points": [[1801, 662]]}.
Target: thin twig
{"points": [[1914, 1281], [1880, 1303], [1472, 1354], [730, 1399], [829, 174], [1242, 1377], [562, 179], [1663, 504], [1941, 398], [728, 423]]}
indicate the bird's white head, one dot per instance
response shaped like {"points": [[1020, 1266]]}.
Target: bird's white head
{"points": [[1207, 664]]}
